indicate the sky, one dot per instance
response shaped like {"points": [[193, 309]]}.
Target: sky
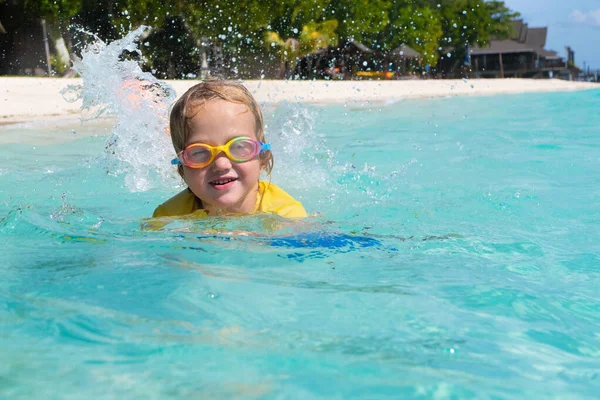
{"points": [[574, 23]]}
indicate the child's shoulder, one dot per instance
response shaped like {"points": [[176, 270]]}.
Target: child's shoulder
{"points": [[275, 200], [182, 203]]}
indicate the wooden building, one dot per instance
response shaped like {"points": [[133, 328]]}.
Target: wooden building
{"points": [[521, 56]]}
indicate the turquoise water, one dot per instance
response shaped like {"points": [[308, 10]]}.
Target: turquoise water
{"points": [[455, 254]]}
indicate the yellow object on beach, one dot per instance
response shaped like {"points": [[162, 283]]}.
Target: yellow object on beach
{"points": [[375, 74], [271, 200]]}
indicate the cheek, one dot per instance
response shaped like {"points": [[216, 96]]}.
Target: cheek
{"points": [[251, 168], [192, 175]]}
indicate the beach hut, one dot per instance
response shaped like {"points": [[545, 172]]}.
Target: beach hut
{"points": [[401, 56], [521, 56], [357, 58], [336, 63]]}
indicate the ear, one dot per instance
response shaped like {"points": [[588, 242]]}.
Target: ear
{"points": [[182, 173]]}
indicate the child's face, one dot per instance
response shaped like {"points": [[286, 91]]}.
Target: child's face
{"points": [[216, 123]]}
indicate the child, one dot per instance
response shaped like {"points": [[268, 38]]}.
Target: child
{"points": [[218, 134]]}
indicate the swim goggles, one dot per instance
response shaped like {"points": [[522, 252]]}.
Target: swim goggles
{"points": [[239, 149]]}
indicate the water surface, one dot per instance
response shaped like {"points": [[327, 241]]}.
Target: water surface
{"points": [[454, 254]]}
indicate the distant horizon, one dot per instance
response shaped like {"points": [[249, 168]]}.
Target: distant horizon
{"points": [[575, 24]]}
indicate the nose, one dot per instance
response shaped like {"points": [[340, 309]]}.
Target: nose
{"points": [[221, 162]]}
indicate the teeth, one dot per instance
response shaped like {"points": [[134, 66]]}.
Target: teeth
{"points": [[222, 182]]}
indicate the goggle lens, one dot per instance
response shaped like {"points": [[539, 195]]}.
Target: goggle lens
{"points": [[244, 150], [197, 155]]}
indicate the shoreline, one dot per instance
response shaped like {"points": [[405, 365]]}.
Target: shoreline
{"points": [[29, 99]]}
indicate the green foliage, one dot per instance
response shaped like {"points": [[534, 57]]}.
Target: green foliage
{"points": [[214, 19], [473, 22], [58, 66], [318, 35], [173, 52], [501, 16], [258, 30], [53, 10], [287, 17], [314, 36], [360, 20], [419, 27]]}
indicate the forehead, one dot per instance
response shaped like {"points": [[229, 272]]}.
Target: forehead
{"points": [[219, 120]]}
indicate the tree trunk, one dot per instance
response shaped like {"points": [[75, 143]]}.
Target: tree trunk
{"points": [[63, 58]]}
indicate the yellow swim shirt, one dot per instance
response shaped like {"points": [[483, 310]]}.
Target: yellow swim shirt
{"points": [[270, 200]]}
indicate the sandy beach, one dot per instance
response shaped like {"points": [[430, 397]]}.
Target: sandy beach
{"points": [[38, 99]]}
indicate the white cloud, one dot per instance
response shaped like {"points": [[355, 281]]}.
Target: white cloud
{"points": [[578, 16], [595, 16], [590, 17]]}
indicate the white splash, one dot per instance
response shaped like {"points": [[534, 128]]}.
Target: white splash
{"points": [[305, 164], [113, 86], [302, 158]]}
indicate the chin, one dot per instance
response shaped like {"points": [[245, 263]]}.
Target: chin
{"points": [[226, 203]]}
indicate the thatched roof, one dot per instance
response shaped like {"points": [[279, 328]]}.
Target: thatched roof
{"points": [[2, 30], [524, 40], [549, 54], [403, 51], [357, 46], [503, 46], [536, 37], [517, 29]]}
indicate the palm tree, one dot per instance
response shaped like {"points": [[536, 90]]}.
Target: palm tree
{"points": [[314, 37]]}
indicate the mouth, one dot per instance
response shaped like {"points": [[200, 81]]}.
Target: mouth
{"points": [[222, 183]]}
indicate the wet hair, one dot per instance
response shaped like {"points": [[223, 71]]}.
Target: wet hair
{"points": [[186, 107]]}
